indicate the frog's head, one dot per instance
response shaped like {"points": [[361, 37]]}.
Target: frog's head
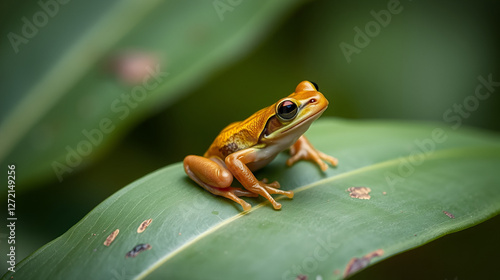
{"points": [[295, 113]]}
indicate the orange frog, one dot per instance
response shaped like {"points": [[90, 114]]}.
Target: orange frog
{"points": [[246, 146]]}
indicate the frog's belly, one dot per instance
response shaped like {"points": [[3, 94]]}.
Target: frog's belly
{"points": [[265, 155], [259, 164]]}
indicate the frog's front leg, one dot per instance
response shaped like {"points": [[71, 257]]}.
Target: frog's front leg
{"points": [[237, 164], [212, 175], [303, 149]]}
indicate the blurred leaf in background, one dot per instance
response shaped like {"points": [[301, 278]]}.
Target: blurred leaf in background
{"points": [[413, 60], [76, 75], [81, 88]]}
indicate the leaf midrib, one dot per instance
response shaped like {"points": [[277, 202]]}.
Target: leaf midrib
{"points": [[484, 152]]}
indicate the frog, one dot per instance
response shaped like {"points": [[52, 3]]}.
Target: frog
{"points": [[246, 146]]}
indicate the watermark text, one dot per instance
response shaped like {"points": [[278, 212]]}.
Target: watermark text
{"points": [[11, 219]]}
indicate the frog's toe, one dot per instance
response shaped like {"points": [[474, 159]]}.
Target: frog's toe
{"points": [[233, 194], [274, 184], [288, 194], [295, 157], [276, 205], [323, 166], [331, 160], [246, 206], [273, 188]]}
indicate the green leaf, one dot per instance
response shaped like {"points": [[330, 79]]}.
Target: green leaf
{"points": [[59, 87], [415, 172]]}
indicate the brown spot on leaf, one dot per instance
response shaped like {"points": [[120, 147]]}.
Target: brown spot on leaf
{"points": [[359, 192], [301, 277], [449, 214], [144, 225], [111, 237], [356, 264], [137, 249]]}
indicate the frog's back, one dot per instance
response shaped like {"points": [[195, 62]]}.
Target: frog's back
{"points": [[239, 135]]}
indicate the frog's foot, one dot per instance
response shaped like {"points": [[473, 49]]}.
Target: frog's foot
{"points": [[236, 163], [302, 149], [273, 188], [266, 190], [234, 194]]}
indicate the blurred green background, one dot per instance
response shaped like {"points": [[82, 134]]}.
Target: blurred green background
{"points": [[223, 60]]}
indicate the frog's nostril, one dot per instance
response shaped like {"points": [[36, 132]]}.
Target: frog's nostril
{"points": [[312, 100]]}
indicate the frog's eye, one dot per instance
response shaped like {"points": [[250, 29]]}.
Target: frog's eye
{"points": [[287, 110], [315, 85]]}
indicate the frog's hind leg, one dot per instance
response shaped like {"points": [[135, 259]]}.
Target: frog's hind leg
{"points": [[237, 164], [212, 175]]}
